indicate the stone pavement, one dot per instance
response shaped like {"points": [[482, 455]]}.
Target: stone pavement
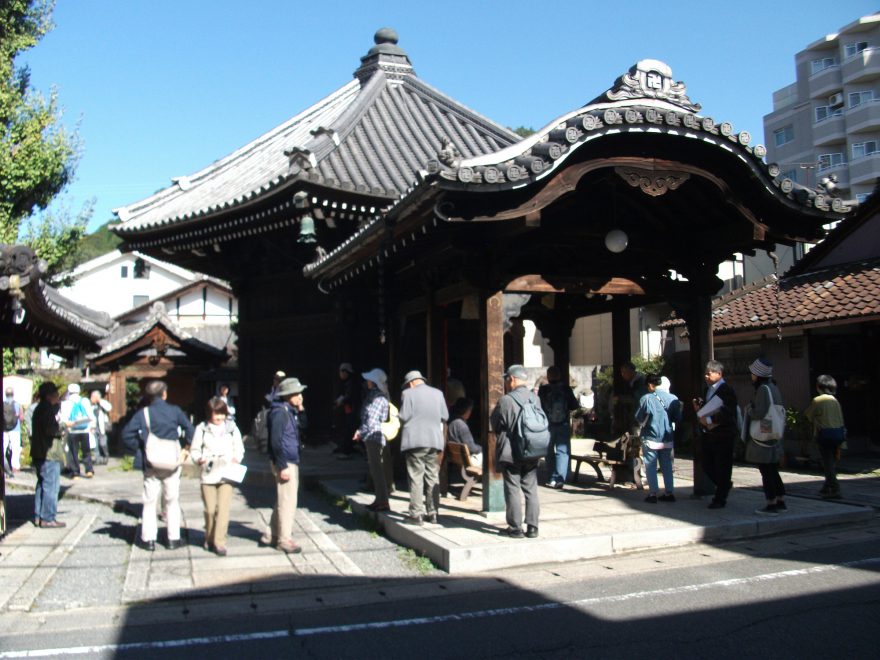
{"points": [[582, 521], [29, 556]]}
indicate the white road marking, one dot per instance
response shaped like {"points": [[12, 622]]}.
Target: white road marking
{"points": [[419, 621]]}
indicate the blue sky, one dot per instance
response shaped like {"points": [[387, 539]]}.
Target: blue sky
{"points": [[162, 88]]}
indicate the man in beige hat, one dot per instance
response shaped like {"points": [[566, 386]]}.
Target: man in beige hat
{"points": [[423, 412], [286, 420]]}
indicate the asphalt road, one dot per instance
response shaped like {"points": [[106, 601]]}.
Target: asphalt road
{"points": [[808, 595]]}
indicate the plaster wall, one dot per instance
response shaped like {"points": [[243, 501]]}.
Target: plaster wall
{"points": [[105, 289]]}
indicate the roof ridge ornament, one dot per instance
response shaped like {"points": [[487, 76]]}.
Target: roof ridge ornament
{"points": [[448, 154], [651, 79], [385, 55]]}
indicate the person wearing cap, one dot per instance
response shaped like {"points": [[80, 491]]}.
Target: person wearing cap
{"points": [[373, 413], [47, 454], [286, 421], [423, 412], [765, 454], [520, 477], [77, 416], [167, 421], [347, 405]]}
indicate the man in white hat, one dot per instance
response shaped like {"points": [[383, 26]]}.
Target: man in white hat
{"points": [[374, 413], [423, 412], [286, 420], [78, 417]]}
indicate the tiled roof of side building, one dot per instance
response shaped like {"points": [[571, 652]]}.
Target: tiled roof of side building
{"points": [[848, 291], [126, 335], [372, 136]]}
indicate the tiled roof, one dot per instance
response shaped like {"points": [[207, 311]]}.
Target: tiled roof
{"points": [[125, 335], [644, 100], [631, 105], [849, 291], [372, 136], [44, 316]]}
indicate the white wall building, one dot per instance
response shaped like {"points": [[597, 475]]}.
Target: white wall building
{"points": [[117, 282]]}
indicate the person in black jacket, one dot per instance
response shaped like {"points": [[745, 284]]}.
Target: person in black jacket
{"points": [[718, 419], [286, 421], [165, 421], [44, 430]]}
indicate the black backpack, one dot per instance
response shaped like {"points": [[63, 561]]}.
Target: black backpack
{"points": [[530, 435], [10, 418], [557, 404]]}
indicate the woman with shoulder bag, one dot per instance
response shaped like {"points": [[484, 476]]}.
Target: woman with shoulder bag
{"points": [[374, 411], [216, 444], [765, 453], [829, 431]]}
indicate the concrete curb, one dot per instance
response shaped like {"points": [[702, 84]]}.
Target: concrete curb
{"points": [[455, 558]]}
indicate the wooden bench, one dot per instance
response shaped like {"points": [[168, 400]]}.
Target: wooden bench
{"points": [[458, 454], [597, 454]]}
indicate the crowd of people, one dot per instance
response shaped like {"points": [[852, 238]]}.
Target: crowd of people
{"points": [[70, 434]]}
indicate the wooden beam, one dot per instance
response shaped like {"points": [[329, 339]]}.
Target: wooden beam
{"points": [[601, 286]]}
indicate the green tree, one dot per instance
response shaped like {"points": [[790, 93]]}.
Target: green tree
{"points": [[523, 132], [37, 154], [99, 242]]}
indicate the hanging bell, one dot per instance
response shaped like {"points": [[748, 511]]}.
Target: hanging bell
{"points": [[307, 235]]}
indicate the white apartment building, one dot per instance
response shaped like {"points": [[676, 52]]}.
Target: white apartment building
{"points": [[828, 121]]}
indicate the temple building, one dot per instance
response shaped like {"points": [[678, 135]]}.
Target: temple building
{"points": [[390, 226]]}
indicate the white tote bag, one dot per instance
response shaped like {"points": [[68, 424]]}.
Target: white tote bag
{"points": [[771, 427], [160, 453]]}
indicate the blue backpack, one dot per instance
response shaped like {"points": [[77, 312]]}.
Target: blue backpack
{"points": [[530, 437], [79, 412]]}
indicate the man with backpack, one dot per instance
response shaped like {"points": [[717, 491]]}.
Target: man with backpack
{"points": [[286, 422], [77, 416], [558, 401], [12, 416], [522, 437]]}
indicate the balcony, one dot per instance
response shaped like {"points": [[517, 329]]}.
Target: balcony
{"points": [[865, 169], [862, 66], [829, 131], [863, 117], [825, 82]]}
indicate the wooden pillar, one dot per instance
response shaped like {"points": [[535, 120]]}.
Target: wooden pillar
{"points": [[621, 342], [560, 341], [116, 395], [434, 354], [698, 316], [517, 333], [491, 390]]}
